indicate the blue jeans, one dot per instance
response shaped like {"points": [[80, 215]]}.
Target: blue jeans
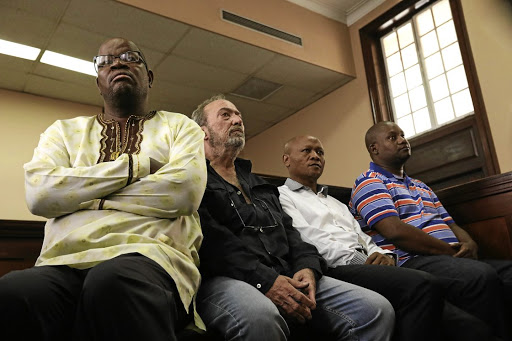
{"points": [[238, 311]]}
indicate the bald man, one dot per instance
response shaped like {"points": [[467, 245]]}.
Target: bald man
{"points": [[405, 216], [327, 223], [121, 192]]}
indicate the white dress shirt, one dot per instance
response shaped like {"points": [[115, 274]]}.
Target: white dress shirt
{"points": [[326, 223]]}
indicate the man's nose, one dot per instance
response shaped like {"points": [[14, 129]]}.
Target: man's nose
{"points": [[314, 155], [117, 63], [236, 120]]}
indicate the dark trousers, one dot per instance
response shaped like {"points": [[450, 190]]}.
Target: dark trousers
{"points": [[418, 299], [129, 297], [478, 287]]}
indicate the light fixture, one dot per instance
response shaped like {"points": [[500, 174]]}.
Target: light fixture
{"points": [[67, 62], [18, 50]]}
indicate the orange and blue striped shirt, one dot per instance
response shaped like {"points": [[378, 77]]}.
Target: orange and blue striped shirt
{"points": [[378, 194]]}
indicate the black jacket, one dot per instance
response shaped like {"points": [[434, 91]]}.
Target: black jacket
{"points": [[255, 242]]}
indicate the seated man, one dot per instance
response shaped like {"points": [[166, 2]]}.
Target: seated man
{"points": [[405, 216], [121, 189], [259, 277], [327, 223]]}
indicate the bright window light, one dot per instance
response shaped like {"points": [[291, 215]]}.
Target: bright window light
{"points": [[18, 50], [69, 63]]}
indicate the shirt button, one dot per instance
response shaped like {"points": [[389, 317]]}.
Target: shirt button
{"points": [[258, 286], [238, 192]]}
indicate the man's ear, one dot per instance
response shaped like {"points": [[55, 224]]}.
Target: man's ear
{"points": [[150, 78], [286, 160], [373, 149], [98, 86], [206, 133]]}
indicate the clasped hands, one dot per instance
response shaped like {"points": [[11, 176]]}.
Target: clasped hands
{"points": [[465, 249], [295, 297]]}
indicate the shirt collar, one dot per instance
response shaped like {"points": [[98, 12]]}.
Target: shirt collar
{"points": [[295, 186], [244, 164], [376, 168]]}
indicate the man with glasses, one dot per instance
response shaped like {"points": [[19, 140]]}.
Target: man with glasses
{"points": [[121, 189], [259, 277]]}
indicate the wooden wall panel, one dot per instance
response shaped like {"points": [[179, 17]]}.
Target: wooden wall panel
{"points": [[447, 156], [20, 244], [484, 209], [493, 237], [447, 149]]}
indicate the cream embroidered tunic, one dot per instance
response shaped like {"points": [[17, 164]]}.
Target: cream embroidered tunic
{"points": [[99, 210]]}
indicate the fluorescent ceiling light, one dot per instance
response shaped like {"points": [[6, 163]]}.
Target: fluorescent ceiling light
{"points": [[67, 62], [18, 50]]}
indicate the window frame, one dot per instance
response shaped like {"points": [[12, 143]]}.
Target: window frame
{"points": [[378, 86]]}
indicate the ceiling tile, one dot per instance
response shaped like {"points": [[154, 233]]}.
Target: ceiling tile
{"points": [[213, 49], [190, 64], [63, 90], [190, 73], [290, 97], [60, 74], [259, 110], [172, 94], [15, 64], [254, 126], [52, 9], [12, 79], [289, 71], [65, 41], [119, 20], [24, 27]]}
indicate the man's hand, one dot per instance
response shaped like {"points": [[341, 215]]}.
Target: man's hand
{"points": [[465, 249], [377, 258], [285, 294], [307, 276]]}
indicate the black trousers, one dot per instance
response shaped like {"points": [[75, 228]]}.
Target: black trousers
{"points": [[419, 302], [482, 288], [129, 297]]}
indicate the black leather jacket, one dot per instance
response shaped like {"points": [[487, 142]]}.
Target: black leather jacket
{"points": [[254, 242]]}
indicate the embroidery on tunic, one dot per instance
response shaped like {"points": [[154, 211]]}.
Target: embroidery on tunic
{"points": [[110, 145]]}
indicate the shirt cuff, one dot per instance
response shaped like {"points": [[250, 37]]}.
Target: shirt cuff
{"points": [[263, 278], [140, 167], [392, 255]]}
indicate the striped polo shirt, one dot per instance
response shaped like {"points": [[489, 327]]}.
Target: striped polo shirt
{"points": [[378, 194]]}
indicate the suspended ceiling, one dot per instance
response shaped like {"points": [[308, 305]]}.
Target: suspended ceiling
{"points": [[190, 64]]}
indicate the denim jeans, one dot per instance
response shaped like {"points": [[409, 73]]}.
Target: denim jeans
{"points": [[238, 311]]}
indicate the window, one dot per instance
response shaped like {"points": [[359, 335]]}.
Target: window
{"points": [[425, 72], [421, 74]]}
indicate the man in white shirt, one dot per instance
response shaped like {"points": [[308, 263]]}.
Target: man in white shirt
{"points": [[328, 224]]}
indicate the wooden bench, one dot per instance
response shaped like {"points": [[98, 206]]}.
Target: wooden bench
{"points": [[482, 207]]}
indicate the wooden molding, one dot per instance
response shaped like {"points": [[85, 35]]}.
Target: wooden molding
{"points": [[21, 229]]}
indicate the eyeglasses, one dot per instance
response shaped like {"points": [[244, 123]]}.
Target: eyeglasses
{"points": [[125, 57], [257, 228]]}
